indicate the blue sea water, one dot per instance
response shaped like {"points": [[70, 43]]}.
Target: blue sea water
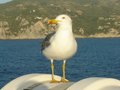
{"points": [[94, 58]]}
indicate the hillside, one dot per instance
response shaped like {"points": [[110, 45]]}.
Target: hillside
{"points": [[21, 19]]}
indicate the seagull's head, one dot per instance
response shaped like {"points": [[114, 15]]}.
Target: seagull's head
{"points": [[61, 20]]}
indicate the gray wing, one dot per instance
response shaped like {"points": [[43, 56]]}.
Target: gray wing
{"points": [[46, 41]]}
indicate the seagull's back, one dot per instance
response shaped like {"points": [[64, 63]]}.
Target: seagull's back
{"points": [[46, 41]]}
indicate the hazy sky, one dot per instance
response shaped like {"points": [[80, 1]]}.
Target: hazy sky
{"points": [[4, 1]]}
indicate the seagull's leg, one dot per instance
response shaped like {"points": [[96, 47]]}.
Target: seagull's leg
{"points": [[63, 79], [52, 69]]}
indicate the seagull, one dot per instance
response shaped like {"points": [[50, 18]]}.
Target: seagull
{"points": [[60, 45]]}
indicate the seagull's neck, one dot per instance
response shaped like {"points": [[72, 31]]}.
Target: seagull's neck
{"points": [[65, 28], [64, 31]]}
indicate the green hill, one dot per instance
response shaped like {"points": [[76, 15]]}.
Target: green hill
{"points": [[27, 18]]}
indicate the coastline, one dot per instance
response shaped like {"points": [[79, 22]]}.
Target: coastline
{"points": [[98, 36], [76, 36]]}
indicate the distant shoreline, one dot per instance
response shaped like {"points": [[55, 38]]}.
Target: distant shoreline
{"points": [[76, 36], [99, 36]]}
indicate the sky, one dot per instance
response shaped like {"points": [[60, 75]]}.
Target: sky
{"points": [[4, 1]]}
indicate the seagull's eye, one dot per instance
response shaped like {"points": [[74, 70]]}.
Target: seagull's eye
{"points": [[63, 17]]}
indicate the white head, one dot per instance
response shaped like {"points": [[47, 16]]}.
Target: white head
{"points": [[61, 20]]}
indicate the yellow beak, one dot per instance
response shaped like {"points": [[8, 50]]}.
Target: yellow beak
{"points": [[53, 21]]}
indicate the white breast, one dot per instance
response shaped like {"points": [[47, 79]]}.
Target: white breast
{"points": [[63, 46]]}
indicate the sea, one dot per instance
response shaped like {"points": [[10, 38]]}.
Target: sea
{"points": [[95, 57]]}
